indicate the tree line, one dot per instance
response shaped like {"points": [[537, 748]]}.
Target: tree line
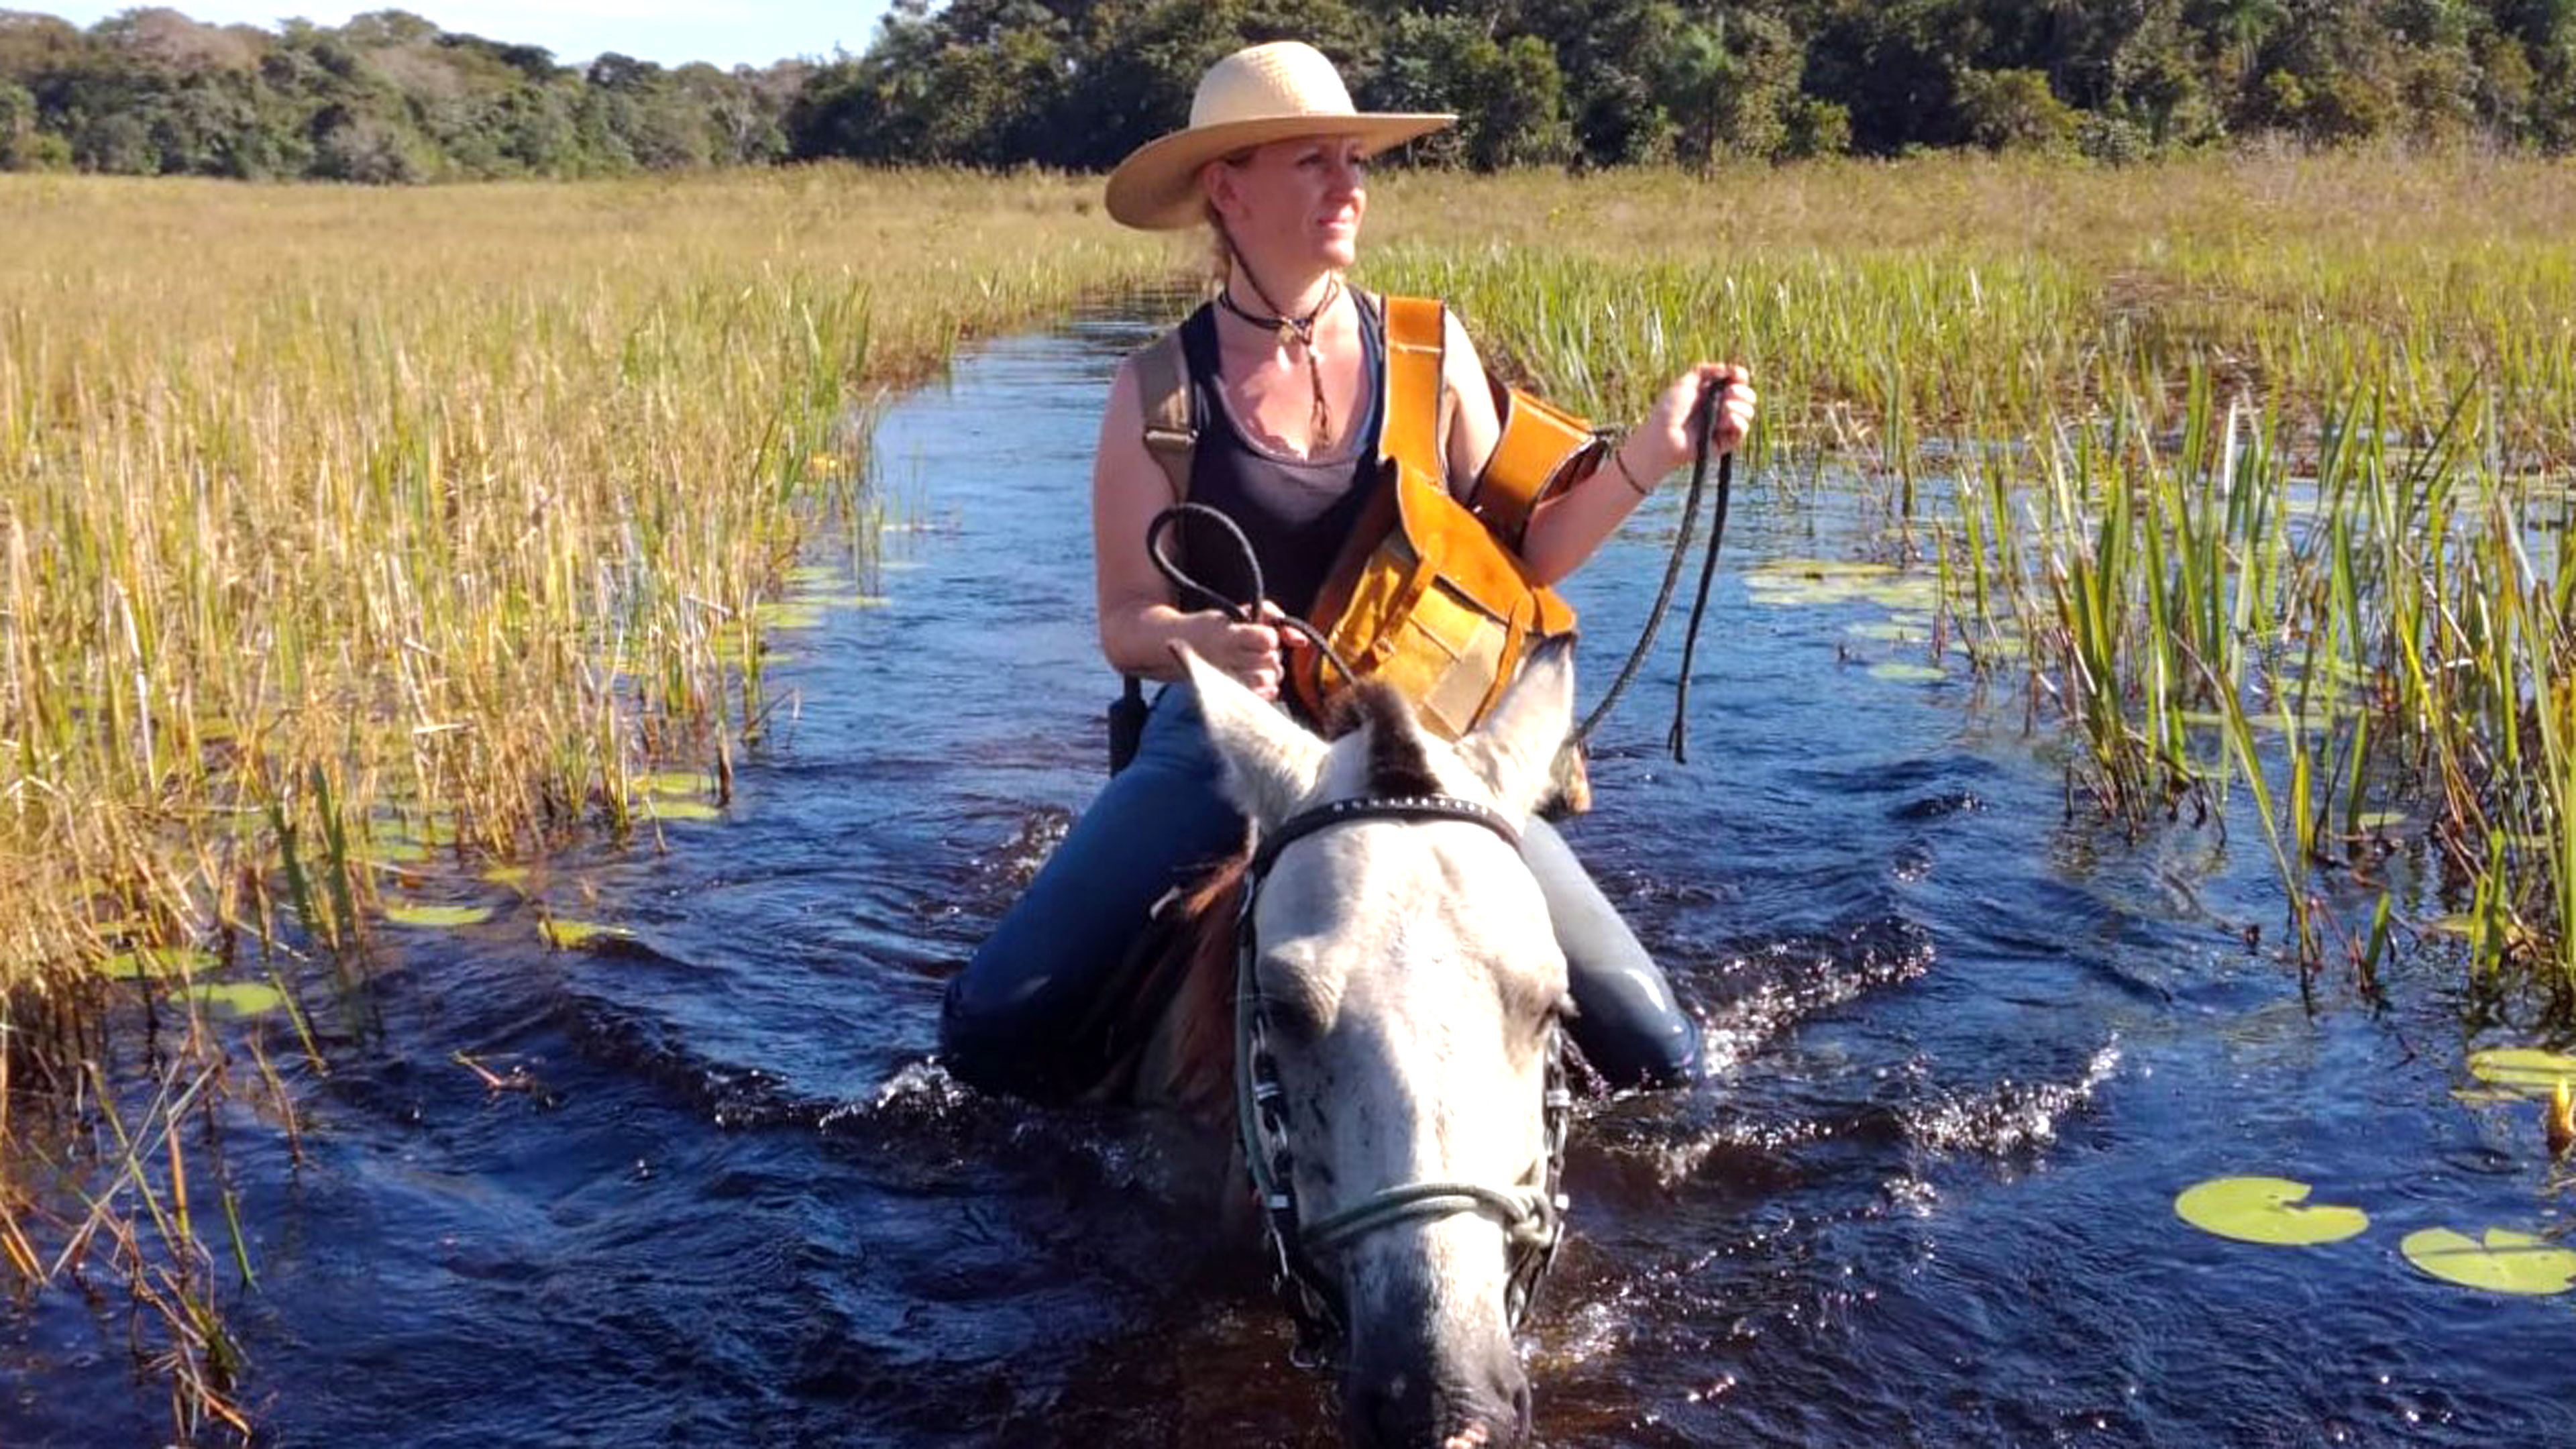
{"points": [[392, 97]]}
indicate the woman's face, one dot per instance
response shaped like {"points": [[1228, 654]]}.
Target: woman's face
{"points": [[1295, 200]]}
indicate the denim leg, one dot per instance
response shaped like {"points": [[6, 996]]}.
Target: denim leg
{"points": [[1626, 1020], [1006, 1022]]}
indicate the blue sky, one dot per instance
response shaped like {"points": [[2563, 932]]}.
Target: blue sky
{"points": [[672, 32]]}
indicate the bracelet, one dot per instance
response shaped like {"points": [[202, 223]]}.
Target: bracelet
{"points": [[1619, 460]]}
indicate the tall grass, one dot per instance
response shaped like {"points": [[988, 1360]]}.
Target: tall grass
{"points": [[2254, 461], [459, 502], [340, 528]]}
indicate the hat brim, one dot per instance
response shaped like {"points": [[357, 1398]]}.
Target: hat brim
{"points": [[1156, 188]]}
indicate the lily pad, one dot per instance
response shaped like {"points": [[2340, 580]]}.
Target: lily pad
{"points": [[2527, 1070], [662, 809], [445, 917], [813, 575], [1820, 568], [1784, 596], [507, 875], [1888, 631], [2505, 1262], [2266, 1210], [238, 999], [1904, 593], [789, 616], [675, 782], [572, 935], [151, 961], [846, 601], [1904, 673]]}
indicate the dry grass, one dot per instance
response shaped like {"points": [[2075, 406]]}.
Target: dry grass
{"points": [[342, 526], [1892, 303], [2226, 445], [458, 502]]}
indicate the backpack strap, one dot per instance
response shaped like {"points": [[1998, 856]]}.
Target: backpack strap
{"points": [[1417, 345], [1172, 436], [1171, 425]]}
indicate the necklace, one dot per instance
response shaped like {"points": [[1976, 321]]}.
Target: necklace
{"points": [[1298, 330]]}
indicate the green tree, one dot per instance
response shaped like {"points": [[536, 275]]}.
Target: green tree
{"points": [[1810, 128], [17, 127], [2014, 110], [1509, 96], [1896, 66]]}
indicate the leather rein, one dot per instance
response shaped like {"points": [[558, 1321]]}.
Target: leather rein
{"points": [[1676, 739]]}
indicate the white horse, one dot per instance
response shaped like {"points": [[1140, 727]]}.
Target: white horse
{"points": [[1394, 1052]]}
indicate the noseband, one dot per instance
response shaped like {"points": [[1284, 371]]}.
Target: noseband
{"points": [[1531, 1212]]}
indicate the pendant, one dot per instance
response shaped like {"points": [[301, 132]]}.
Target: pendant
{"points": [[1287, 333]]}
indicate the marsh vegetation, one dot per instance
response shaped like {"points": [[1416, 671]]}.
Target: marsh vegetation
{"points": [[356, 544]]}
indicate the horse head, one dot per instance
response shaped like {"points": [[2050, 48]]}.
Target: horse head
{"points": [[1405, 990]]}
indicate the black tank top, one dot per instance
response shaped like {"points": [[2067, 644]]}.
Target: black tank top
{"points": [[1295, 511]]}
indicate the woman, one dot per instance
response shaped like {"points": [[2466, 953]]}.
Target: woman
{"points": [[1285, 366]]}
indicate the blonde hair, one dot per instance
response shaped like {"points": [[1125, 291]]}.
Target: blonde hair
{"points": [[1220, 250]]}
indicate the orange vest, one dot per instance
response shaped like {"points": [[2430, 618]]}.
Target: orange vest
{"points": [[1428, 594]]}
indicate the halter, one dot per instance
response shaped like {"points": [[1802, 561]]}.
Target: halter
{"points": [[1531, 1212]]}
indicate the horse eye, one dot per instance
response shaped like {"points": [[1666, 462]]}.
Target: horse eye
{"points": [[1291, 1018]]}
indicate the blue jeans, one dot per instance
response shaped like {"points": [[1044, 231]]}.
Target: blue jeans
{"points": [[1008, 1018]]}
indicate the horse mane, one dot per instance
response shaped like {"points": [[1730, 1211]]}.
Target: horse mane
{"points": [[1198, 1049], [1396, 763]]}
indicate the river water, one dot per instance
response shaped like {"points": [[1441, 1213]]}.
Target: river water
{"points": [[1966, 1048]]}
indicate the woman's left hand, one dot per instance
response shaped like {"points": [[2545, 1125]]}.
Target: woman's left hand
{"points": [[1671, 430]]}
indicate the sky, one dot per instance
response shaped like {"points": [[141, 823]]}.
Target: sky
{"points": [[671, 32]]}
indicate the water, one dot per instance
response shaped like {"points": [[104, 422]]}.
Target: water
{"points": [[1965, 1052]]}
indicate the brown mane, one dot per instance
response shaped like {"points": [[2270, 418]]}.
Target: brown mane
{"points": [[1396, 764], [1199, 1059], [1172, 1029]]}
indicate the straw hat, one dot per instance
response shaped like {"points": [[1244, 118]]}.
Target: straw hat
{"points": [[1261, 93]]}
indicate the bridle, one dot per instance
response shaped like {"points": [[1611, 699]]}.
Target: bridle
{"points": [[1531, 1212]]}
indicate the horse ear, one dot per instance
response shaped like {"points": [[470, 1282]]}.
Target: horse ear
{"points": [[1514, 747], [1271, 762]]}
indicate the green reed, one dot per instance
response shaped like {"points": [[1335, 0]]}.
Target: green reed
{"points": [[348, 536], [2237, 460]]}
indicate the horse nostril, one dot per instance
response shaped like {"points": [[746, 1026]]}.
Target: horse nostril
{"points": [[1508, 1390], [1393, 1410]]}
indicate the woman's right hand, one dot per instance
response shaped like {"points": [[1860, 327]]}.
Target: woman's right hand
{"points": [[1249, 652]]}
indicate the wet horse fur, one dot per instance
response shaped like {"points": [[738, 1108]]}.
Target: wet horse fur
{"points": [[1409, 974]]}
